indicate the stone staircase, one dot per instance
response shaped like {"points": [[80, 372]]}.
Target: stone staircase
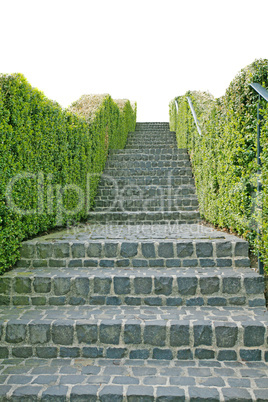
{"points": [[144, 303]]}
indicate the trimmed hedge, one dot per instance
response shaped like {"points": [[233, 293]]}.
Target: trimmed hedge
{"points": [[50, 161], [224, 156]]}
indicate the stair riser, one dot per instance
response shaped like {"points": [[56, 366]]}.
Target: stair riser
{"points": [[146, 192], [159, 172], [145, 217], [146, 165], [102, 207], [100, 289], [123, 182], [113, 339], [152, 150], [141, 158], [135, 254]]}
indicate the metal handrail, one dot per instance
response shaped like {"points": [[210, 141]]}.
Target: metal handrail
{"points": [[264, 94], [194, 115]]}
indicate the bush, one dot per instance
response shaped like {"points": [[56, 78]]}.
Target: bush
{"points": [[50, 160], [224, 156]]}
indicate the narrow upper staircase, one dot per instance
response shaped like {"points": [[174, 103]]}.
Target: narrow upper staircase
{"points": [[144, 303]]}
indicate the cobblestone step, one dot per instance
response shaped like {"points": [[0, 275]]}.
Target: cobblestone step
{"points": [[223, 252], [144, 157], [131, 207], [123, 181], [150, 172], [133, 286], [147, 191], [131, 380], [130, 164], [146, 217], [141, 332], [152, 150]]}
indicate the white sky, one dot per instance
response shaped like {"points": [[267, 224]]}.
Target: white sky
{"points": [[148, 51]]}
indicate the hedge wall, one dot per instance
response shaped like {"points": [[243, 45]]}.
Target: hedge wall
{"points": [[224, 156], [50, 160]]}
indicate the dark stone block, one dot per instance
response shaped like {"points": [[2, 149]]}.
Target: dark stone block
{"points": [[236, 394], [97, 300], [78, 250], [22, 285], [78, 263], [92, 352], [62, 286], [21, 300], [242, 262], [158, 262], [253, 335], [179, 335], [15, 332], [121, 285], [139, 393], [226, 335], [61, 250], [62, 333], [241, 249], [170, 394], [231, 285], [138, 263], [107, 263], [44, 251], [77, 301], [122, 263], [165, 250], [203, 335], [110, 332], [195, 301], [184, 354], [254, 285], [102, 285], [3, 352], [47, 352], [56, 393], [4, 300], [27, 251], [217, 301], [87, 333], [80, 287], [209, 285], [204, 249], [155, 334], [224, 249], [57, 301], [110, 250], [162, 354], [193, 262], [207, 394], [39, 333], [238, 301], [132, 333], [187, 286], [185, 250], [5, 285], [173, 263], [174, 301], [84, 393], [113, 301], [69, 352], [133, 301], [143, 285], [111, 393], [94, 250], [207, 262], [26, 393], [142, 354], [116, 353], [129, 250], [153, 301], [250, 354], [42, 284], [22, 352], [91, 263], [148, 250], [204, 354], [227, 355], [163, 285]]}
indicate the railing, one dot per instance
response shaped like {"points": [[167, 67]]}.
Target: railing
{"points": [[262, 92]]}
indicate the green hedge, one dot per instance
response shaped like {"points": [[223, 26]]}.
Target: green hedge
{"points": [[50, 161], [224, 156]]}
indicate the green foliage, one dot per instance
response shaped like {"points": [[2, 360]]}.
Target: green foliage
{"points": [[224, 156], [50, 161]]}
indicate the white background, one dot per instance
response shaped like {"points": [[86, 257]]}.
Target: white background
{"points": [[148, 51]]}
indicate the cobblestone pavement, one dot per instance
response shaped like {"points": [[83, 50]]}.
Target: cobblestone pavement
{"points": [[125, 380]]}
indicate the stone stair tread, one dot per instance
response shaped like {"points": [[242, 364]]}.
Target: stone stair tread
{"points": [[117, 380], [150, 315]]}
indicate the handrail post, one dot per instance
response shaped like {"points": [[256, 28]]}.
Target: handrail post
{"points": [[259, 184]]}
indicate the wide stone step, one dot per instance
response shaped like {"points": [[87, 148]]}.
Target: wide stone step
{"points": [[146, 217], [143, 157], [133, 286], [147, 146], [109, 380], [141, 332], [137, 246], [132, 164], [152, 150], [161, 192], [153, 171], [140, 204], [123, 181]]}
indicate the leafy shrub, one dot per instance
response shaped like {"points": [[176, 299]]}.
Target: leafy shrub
{"points": [[224, 156], [50, 160]]}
